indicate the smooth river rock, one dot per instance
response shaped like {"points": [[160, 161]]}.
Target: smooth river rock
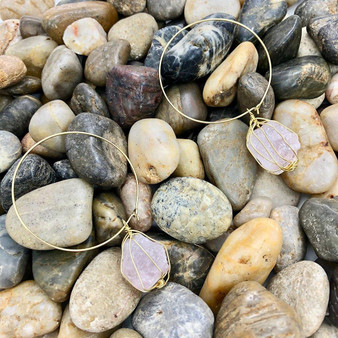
{"points": [[28, 85], [329, 118], [191, 210], [31, 26], [163, 10], [326, 331], [125, 333], [333, 302], [157, 317], [64, 170], [128, 8], [332, 90], [60, 213], [307, 45], [9, 34], [10, 149], [12, 70]]}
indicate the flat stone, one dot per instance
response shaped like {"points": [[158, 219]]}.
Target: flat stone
{"points": [[305, 287], [271, 314], [12, 70], [102, 59], [10, 149], [227, 162], [28, 85], [332, 90], [203, 209], [9, 34], [130, 7], [35, 172], [329, 118], [156, 315], [64, 170], [31, 26], [60, 213], [35, 313], [307, 45], [104, 166], [101, 298], [125, 333]]}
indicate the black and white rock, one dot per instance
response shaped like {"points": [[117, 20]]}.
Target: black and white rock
{"points": [[64, 170]]}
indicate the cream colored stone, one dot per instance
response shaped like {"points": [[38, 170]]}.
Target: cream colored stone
{"points": [[53, 117], [221, 87], [316, 102], [26, 311], [138, 30], [9, 34], [190, 164], [249, 253], [12, 70], [326, 331], [316, 171], [125, 333], [153, 150], [329, 117], [10, 149], [332, 90], [332, 192], [307, 45]]}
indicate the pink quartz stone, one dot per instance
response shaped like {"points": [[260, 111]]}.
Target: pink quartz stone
{"points": [[147, 270], [274, 132]]}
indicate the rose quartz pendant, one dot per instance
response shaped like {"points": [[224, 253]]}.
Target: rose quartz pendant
{"points": [[145, 262], [274, 146]]}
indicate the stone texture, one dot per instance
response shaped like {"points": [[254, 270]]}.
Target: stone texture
{"points": [[28, 85], [31, 26], [307, 45], [317, 101], [129, 7], [125, 333], [332, 90], [163, 10], [215, 245], [4, 100], [191, 210], [10, 149], [9, 34], [64, 170], [333, 301], [326, 331], [12, 70], [329, 118]]}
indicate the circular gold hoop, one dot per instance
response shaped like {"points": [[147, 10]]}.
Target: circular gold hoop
{"points": [[248, 111], [75, 133]]}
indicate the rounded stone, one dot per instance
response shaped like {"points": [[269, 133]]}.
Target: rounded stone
{"points": [[12, 70], [215, 245], [305, 287], [28, 85], [125, 333], [102, 59], [332, 90], [61, 74], [53, 117], [104, 166], [326, 331], [101, 298], [329, 118], [316, 102], [249, 253], [4, 100], [203, 209], [10, 149], [9, 34], [156, 314], [307, 45], [64, 170], [163, 10], [129, 7], [138, 30], [31, 26]]}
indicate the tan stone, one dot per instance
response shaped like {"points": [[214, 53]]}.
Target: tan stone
{"points": [[307, 45], [316, 102], [326, 331], [9, 34], [329, 117], [125, 333], [332, 90], [12, 70], [332, 192]]}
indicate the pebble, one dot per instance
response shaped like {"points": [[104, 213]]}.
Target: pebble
{"points": [[156, 316], [227, 161], [16, 115], [35, 172], [203, 209], [103, 58], [332, 90], [163, 10], [34, 52], [307, 45], [326, 331], [31, 26], [221, 87], [128, 197], [153, 150], [195, 10], [9, 34], [101, 298], [305, 287], [271, 315], [329, 118], [316, 102], [138, 30], [10, 149], [35, 313], [105, 166], [60, 213], [64, 170], [57, 19], [130, 7], [259, 16], [12, 70], [13, 259], [249, 253], [84, 35], [301, 78], [133, 93], [86, 100], [125, 333], [15, 9], [61, 74], [28, 85], [215, 245], [319, 219], [294, 240], [333, 302], [108, 213], [256, 208], [188, 98], [317, 168], [53, 117]]}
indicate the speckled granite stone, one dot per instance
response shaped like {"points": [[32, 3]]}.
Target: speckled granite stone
{"points": [[64, 170]]}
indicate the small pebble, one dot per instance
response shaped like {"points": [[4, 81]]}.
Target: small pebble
{"points": [[163, 10], [4, 100], [125, 333], [326, 331], [31, 26], [64, 170], [215, 244], [307, 45], [12, 70], [10, 149], [332, 90], [316, 102], [28, 85], [129, 7], [329, 118], [9, 34]]}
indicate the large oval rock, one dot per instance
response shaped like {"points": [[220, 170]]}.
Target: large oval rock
{"points": [[101, 298], [227, 161], [191, 210], [271, 315], [10, 149], [317, 168], [60, 213], [157, 317], [249, 253], [106, 167], [305, 287], [12, 70]]}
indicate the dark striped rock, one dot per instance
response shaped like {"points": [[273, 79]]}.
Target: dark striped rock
{"points": [[133, 93], [31, 26], [64, 170], [200, 51], [28, 85], [13, 259], [259, 16], [319, 219], [282, 42], [173, 311], [324, 31], [35, 172], [301, 78], [86, 100], [16, 115], [94, 160]]}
